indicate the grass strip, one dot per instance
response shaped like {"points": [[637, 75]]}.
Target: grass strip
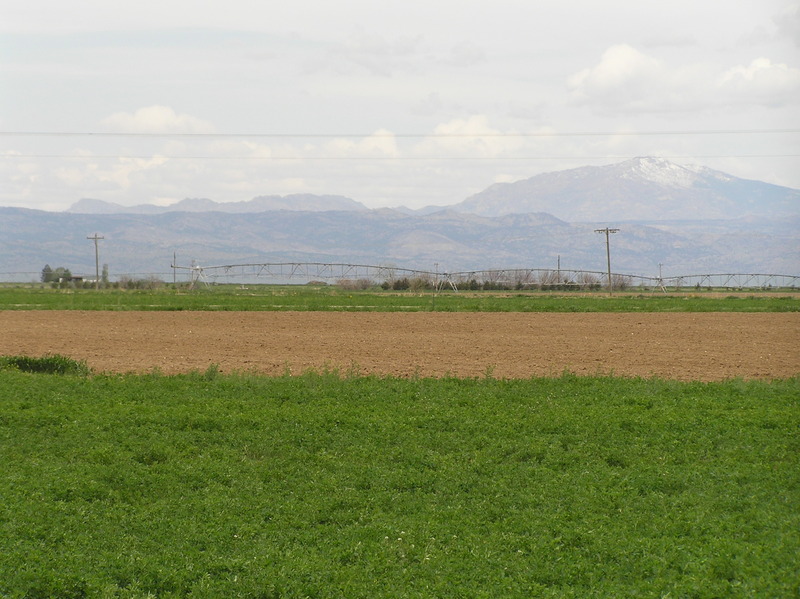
{"points": [[331, 298]]}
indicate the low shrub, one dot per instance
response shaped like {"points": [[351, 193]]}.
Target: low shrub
{"points": [[51, 364], [354, 284], [147, 284]]}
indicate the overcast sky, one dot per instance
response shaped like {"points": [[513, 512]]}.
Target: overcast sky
{"points": [[411, 102]]}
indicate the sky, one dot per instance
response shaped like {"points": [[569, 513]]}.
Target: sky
{"points": [[393, 103]]}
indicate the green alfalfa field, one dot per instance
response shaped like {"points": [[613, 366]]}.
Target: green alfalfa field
{"points": [[375, 299], [332, 484]]}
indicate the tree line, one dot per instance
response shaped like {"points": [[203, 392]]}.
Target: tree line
{"points": [[62, 275]]}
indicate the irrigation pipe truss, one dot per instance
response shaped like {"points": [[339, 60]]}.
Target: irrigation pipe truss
{"points": [[514, 277]]}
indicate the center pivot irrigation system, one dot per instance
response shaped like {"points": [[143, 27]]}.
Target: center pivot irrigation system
{"points": [[519, 278]]}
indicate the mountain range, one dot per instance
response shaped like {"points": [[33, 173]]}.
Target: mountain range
{"points": [[638, 189], [300, 201], [691, 220]]}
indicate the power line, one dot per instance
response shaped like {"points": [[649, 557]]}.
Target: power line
{"points": [[379, 158], [399, 135]]}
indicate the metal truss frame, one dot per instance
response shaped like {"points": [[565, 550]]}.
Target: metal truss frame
{"points": [[511, 277]]}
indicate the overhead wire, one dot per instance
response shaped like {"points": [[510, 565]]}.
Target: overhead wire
{"points": [[383, 158], [389, 134]]}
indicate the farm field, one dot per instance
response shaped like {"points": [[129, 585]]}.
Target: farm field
{"points": [[585, 449], [318, 485], [685, 346], [336, 299]]}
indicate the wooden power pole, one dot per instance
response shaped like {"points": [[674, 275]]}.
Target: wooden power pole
{"points": [[608, 231], [96, 238]]}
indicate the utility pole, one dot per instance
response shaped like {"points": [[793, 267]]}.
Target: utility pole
{"points": [[608, 231], [96, 238]]}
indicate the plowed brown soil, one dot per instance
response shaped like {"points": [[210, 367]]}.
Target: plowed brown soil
{"points": [[697, 346]]}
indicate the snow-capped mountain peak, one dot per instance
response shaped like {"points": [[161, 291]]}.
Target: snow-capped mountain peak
{"points": [[642, 188], [658, 170]]}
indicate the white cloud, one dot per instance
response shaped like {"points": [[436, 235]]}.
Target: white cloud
{"points": [[469, 137], [761, 82], [627, 80], [381, 143], [119, 175], [623, 76], [156, 119]]}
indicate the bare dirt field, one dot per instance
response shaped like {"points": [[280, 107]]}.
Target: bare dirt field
{"points": [[685, 346]]}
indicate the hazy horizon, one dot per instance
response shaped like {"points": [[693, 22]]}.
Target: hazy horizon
{"points": [[389, 104]]}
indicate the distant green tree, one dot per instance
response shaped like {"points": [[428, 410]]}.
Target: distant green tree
{"points": [[51, 275], [47, 274], [104, 276]]}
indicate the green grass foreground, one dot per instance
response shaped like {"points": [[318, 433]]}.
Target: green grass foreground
{"points": [[332, 298], [211, 485]]}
